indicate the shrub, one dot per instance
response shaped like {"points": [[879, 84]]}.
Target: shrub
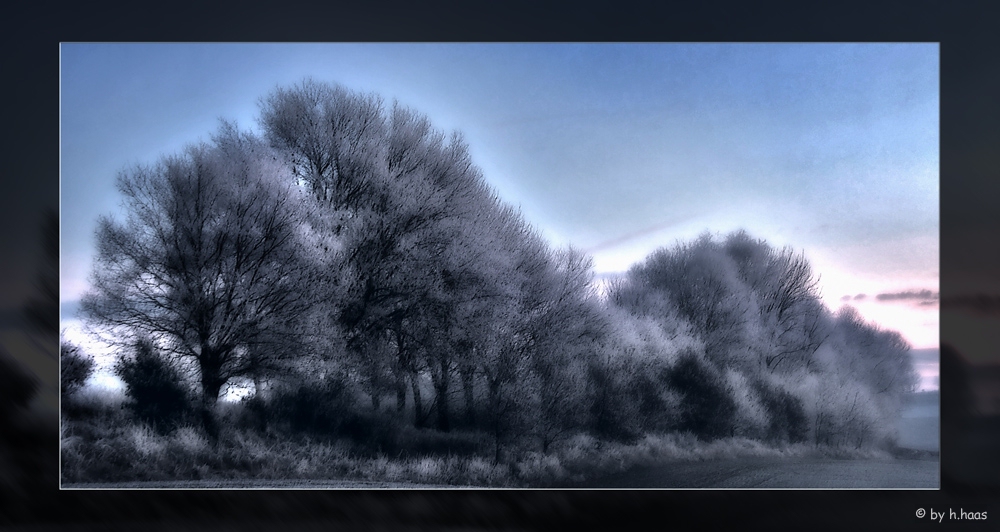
{"points": [[613, 413], [788, 421], [95, 404], [190, 440], [74, 368], [320, 407], [656, 402], [156, 392], [752, 417], [707, 408], [428, 442], [249, 413]]}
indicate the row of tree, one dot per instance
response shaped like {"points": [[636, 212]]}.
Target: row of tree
{"points": [[353, 243]]}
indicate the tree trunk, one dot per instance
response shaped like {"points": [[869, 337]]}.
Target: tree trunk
{"points": [[418, 403], [496, 421], [467, 391], [496, 446], [401, 372], [441, 386], [211, 385], [819, 428], [210, 397], [261, 388], [400, 392]]}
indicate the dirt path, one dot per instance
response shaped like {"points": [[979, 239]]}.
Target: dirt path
{"points": [[734, 473], [256, 484], [778, 473]]}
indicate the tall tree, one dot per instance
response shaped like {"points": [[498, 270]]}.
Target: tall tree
{"points": [[792, 322], [565, 324], [208, 263], [407, 198], [875, 357], [701, 284]]}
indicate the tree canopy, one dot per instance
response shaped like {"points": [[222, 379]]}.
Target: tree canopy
{"points": [[209, 263], [353, 246]]}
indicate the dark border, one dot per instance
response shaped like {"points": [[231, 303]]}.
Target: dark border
{"points": [[969, 129]]}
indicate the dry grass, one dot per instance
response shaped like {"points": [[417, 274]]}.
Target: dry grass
{"points": [[103, 445]]}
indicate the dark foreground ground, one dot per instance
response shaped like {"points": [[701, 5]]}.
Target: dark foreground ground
{"points": [[916, 465], [779, 473], [734, 473], [256, 484]]}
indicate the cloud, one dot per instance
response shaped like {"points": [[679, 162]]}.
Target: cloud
{"points": [[925, 295], [857, 297], [920, 298], [621, 239]]}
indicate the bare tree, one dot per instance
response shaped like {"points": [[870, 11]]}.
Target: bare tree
{"points": [[791, 318], [875, 357], [208, 263], [701, 284], [409, 200], [75, 367]]}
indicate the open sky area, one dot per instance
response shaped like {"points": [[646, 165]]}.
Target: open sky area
{"points": [[616, 149]]}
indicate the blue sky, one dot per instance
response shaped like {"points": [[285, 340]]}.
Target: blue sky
{"points": [[616, 149]]}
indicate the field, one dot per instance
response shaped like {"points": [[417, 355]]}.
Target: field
{"points": [[726, 473], [653, 463], [920, 424]]}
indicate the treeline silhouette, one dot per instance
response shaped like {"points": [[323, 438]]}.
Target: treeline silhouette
{"points": [[353, 267]]}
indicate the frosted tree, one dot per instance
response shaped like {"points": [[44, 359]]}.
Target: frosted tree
{"points": [[700, 284], [792, 322], [208, 263], [409, 198]]}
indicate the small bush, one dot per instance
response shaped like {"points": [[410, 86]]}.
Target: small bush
{"points": [[614, 414], [707, 408], [321, 407], [190, 440], [788, 421], [250, 413], [427, 442], [74, 368], [657, 403], [145, 441], [156, 393], [96, 405]]}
